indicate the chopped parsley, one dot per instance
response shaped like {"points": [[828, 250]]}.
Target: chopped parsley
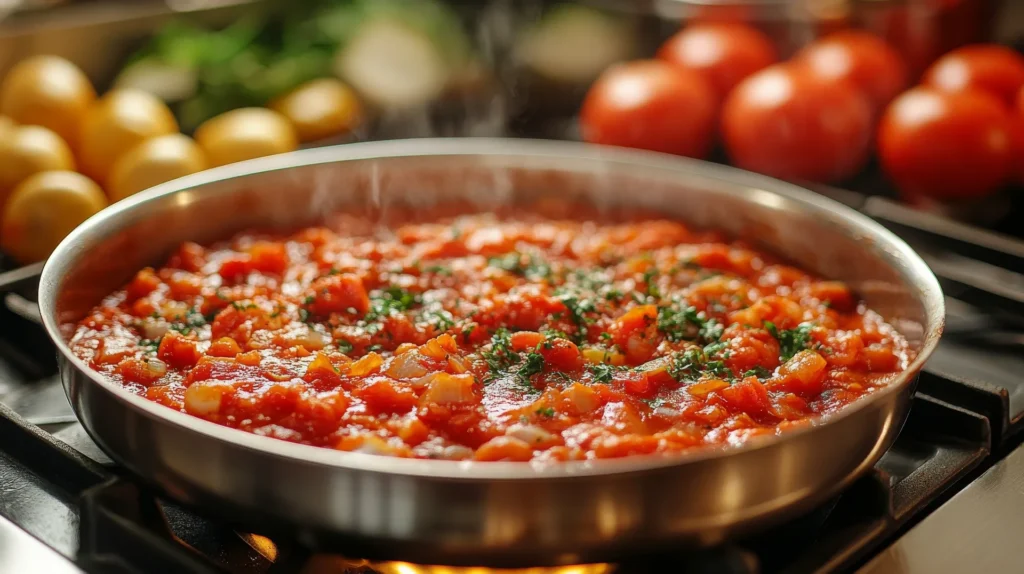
{"points": [[693, 364], [553, 334], [242, 306], [503, 361], [680, 324], [579, 306], [791, 341], [759, 372], [388, 301], [651, 281], [687, 324], [614, 295], [149, 345], [192, 320], [345, 346], [440, 319], [529, 266], [439, 270], [500, 356], [602, 372], [547, 412], [532, 365]]}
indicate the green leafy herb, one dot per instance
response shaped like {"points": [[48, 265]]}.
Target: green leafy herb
{"points": [[602, 373], [390, 300], [759, 372], [532, 365], [650, 280], [242, 305], [680, 324], [345, 346], [695, 363], [553, 334], [529, 266], [547, 412], [791, 341], [440, 319], [614, 295], [500, 356], [579, 307], [439, 270]]}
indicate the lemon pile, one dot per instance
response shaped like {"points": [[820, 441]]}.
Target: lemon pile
{"points": [[65, 153]]}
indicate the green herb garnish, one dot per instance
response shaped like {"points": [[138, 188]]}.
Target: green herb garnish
{"points": [[791, 341]]}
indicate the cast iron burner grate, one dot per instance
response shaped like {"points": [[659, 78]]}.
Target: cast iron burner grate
{"points": [[58, 487]]}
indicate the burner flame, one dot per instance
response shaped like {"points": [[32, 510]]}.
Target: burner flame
{"points": [[324, 564], [345, 565]]}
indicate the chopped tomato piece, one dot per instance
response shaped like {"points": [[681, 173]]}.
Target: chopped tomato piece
{"points": [[235, 268], [526, 341], [142, 371], [384, 395], [505, 448], [749, 396], [803, 375], [189, 257], [224, 347], [144, 283], [561, 355], [339, 294], [635, 383], [268, 257], [177, 351]]}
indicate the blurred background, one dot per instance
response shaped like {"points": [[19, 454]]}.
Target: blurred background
{"points": [[319, 72]]}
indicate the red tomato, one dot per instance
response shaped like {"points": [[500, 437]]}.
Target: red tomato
{"points": [[861, 58], [1018, 133], [650, 105], [994, 69], [723, 53], [946, 145], [791, 124], [712, 13]]}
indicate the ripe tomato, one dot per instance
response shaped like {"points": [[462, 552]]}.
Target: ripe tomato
{"points": [[791, 124], [861, 58], [1018, 126], [650, 105], [731, 14], [994, 69], [946, 145], [724, 53]]}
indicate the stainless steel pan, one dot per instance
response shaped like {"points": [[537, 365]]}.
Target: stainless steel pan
{"points": [[486, 513]]}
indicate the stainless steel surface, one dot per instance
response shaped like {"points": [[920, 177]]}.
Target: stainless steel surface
{"points": [[978, 530], [464, 512], [20, 552]]}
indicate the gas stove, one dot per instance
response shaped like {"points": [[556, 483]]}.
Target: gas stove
{"points": [[953, 474]]}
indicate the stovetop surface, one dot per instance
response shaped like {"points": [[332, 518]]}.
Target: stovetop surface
{"points": [[65, 506]]}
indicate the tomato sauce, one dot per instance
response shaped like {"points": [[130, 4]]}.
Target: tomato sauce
{"points": [[516, 336]]}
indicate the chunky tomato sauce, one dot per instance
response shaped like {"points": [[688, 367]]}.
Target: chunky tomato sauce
{"points": [[492, 337]]}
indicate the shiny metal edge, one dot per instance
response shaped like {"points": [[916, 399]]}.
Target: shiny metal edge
{"points": [[895, 250]]}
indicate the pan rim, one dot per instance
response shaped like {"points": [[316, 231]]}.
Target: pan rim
{"points": [[893, 250]]}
